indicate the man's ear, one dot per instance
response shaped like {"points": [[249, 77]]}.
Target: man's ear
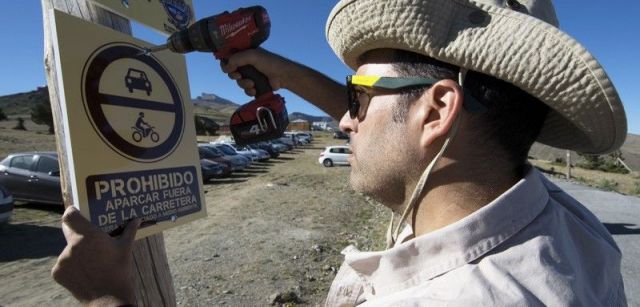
{"points": [[438, 109]]}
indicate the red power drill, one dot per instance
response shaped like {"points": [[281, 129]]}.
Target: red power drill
{"points": [[224, 34]]}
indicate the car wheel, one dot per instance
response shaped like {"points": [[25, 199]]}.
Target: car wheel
{"points": [[327, 163]]}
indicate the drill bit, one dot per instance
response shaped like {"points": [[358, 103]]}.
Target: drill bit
{"points": [[150, 50]]}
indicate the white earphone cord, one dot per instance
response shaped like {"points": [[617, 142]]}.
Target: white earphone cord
{"points": [[417, 191]]}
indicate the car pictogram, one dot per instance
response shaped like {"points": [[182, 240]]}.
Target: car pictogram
{"points": [[137, 79]]}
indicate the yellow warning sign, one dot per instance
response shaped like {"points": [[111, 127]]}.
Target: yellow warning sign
{"points": [[130, 135], [167, 16]]}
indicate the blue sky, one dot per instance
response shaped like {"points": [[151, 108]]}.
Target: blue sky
{"points": [[611, 31]]}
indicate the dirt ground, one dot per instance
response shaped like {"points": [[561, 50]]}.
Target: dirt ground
{"points": [[276, 228]]}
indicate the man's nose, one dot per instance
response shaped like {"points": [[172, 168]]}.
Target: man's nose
{"points": [[347, 124]]}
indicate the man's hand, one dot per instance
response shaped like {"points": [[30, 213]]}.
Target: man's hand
{"points": [[273, 66], [305, 82], [94, 267]]}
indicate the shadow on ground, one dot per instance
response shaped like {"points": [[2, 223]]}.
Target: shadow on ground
{"points": [[225, 181], [315, 148], [551, 172], [25, 241], [622, 229], [253, 171]]}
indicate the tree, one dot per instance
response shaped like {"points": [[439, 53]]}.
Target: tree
{"points": [[607, 163], [205, 126], [41, 115], [20, 125], [2, 115]]}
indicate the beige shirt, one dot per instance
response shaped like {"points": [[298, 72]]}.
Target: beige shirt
{"points": [[532, 246]]}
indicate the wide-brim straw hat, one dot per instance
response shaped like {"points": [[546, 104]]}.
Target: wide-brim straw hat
{"points": [[515, 41]]}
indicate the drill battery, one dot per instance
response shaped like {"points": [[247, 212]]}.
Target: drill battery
{"points": [[263, 119]]}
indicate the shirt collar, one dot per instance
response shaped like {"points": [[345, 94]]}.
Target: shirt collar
{"points": [[425, 257]]}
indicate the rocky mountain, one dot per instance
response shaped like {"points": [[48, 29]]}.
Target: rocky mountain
{"points": [[214, 106], [310, 118], [214, 101]]}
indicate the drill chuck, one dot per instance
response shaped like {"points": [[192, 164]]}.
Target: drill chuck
{"points": [[155, 49]]}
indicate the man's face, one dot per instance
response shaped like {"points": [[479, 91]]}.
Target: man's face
{"points": [[382, 152]]}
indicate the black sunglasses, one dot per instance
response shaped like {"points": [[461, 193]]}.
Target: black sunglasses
{"points": [[358, 100]]}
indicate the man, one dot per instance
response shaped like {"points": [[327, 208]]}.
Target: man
{"points": [[143, 126], [451, 94]]}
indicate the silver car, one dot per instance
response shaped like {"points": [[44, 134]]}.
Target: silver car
{"points": [[32, 176]]}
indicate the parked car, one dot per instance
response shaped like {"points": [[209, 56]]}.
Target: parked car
{"points": [[232, 156], [247, 152], [286, 141], [304, 135], [340, 135], [6, 205], [335, 155], [297, 139], [32, 176], [228, 150], [309, 135], [206, 151], [212, 170], [280, 147], [267, 147], [302, 139], [257, 153]]}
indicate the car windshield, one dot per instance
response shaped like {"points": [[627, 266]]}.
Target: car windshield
{"points": [[226, 150], [205, 153], [216, 153], [137, 74]]}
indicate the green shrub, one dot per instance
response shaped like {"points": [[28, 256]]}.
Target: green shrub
{"points": [[2, 115], [608, 185], [607, 164], [41, 115], [636, 188], [559, 161], [20, 124]]}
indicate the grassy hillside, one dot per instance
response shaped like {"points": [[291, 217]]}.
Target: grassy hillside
{"points": [[630, 152], [221, 117], [21, 103]]}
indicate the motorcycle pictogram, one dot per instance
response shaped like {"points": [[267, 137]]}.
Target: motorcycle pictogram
{"points": [[140, 131]]}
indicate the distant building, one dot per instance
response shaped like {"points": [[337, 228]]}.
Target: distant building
{"points": [[299, 124], [320, 125]]}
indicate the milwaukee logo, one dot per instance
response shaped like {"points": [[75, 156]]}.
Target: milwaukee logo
{"points": [[230, 28]]}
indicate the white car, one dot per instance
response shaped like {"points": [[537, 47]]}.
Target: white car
{"points": [[335, 155]]}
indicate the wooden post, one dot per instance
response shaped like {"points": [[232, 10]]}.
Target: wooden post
{"points": [[620, 162], [568, 173], [154, 286]]}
